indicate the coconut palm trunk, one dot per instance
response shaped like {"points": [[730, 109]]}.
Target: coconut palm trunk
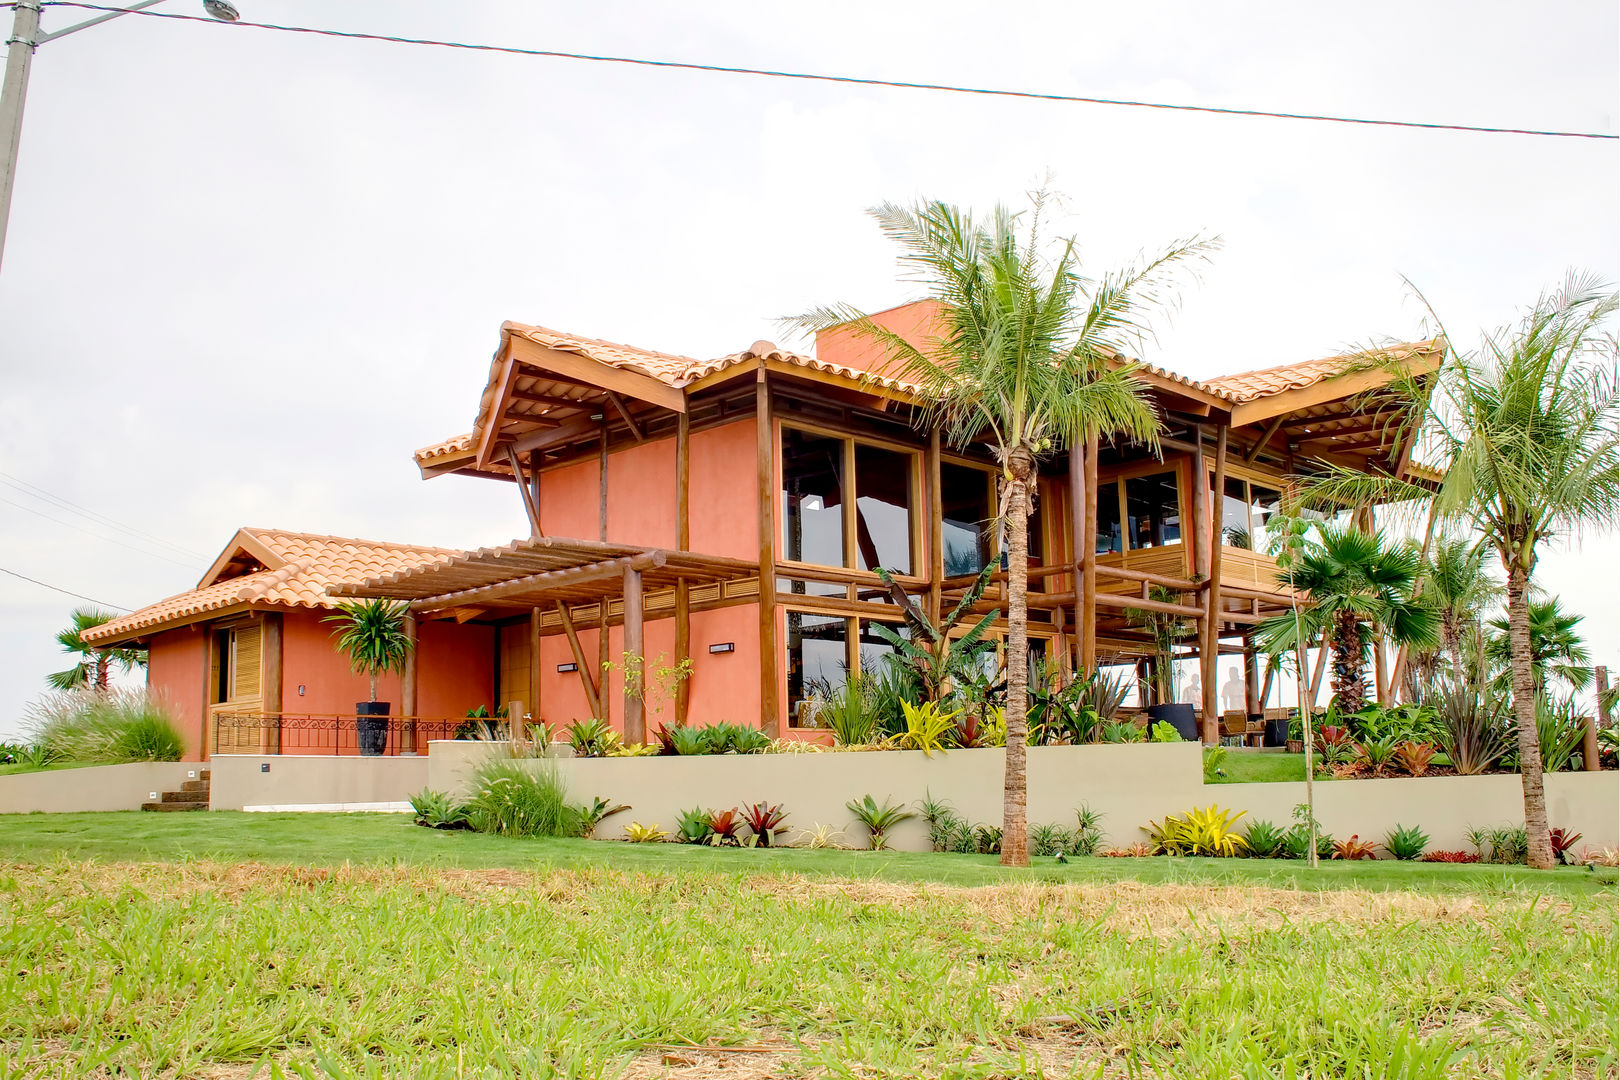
{"points": [[1015, 792], [1539, 854]]}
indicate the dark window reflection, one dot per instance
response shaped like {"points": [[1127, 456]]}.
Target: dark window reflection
{"points": [[1154, 515], [1264, 503], [882, 509], [1108, 529], [812, 498], [1235, 514], [969, 518], [817, 659], [875, 648]]}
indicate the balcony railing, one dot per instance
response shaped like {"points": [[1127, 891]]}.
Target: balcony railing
{"points": [[331, 733]]}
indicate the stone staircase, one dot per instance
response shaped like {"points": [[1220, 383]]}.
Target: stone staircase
{"points": [[193, 795]]}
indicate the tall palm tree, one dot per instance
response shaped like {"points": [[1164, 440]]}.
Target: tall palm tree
{"points": [[1456, 583], [1556, 647], [1028, 360], [1357, 584], [94, 665], [1527, 429]]}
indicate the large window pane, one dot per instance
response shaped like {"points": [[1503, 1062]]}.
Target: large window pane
{"points": [[968, 518], [1264, 503], [812, 498], [1108, 532], [1153, 511], [882, 509], [1235, 514], [875, 649], [817, 658]]}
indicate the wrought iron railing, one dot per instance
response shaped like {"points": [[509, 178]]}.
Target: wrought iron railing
{"points": [[331, 733]]}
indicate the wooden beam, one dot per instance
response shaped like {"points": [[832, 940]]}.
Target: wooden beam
{"points": [[1115, 600], [590, 372], [526, 418], [576, 429], [1127, 574], [592, 698], [534, 486], [635, 705], [936, 523], [1212, 598], [534, 666], [1265, 438], [624, 411], [570, 577], [497, 405], [1330, 389], [1088, 564], [765, 477], [554, 400], [683, 542], [529, 506]]}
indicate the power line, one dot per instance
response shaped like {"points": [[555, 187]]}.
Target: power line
{"points": [[847, 79], [98, 536], [65, 592], [69, 505]]}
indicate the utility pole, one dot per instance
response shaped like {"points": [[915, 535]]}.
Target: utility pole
{"points": [[19, 59]]}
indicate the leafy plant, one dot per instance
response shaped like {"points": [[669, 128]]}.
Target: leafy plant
{"points": [[1414, 757], [437, 810], [1122, 731], [1164, 731], [1377, 753], [1166, 630], [1451, 857], [1474, 732], [1562, 842], [987, 839], [986, 726], [1297, 841], [1334, 744], [1264, 839], [515, 799], [765, 821], [687, 741], [1406, 842], [926, 727], [848, 714], [725, 828], [94, 665], [1214, 759], [879, 818], [371, 633], [637, 833], [1560, 729], [724, 738], [933, 657], [592, 814], [1199, 832], [592, 737], [821, 836], [1087, 836], [1048, 840], [692, 826], [1508, 844], [1354, 848]]}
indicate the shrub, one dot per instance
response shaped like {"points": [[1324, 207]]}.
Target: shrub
{"points": [[1354, 848], [926, 727], [637, 833], [1472, 732], [437, 810], [516, 800], [1265, 839], [879, 819], [1414, 757], [1377, 753], [847, 713], [595, 812], [1297, 841], [1406, 842], [1562, 842], [765, 822], [1087, 835], [1509, 844], [1198, 832], [724, 738], [1047, 840], [109, 727], [1120, 731], [687, 741], [692, 826], [1451, 857]]}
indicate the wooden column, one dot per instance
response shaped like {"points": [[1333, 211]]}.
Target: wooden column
{"points": [[407, 687], [936, 524], [270, 687], [635, 724], [1077, 529], [765, 474], [530, 496], [206, 742], [1589, 743], [1200, 510], [1209, 654], [683, 542], [534, 664], [593, 697], [1088, 564], [603, 652], [1251, 676]]}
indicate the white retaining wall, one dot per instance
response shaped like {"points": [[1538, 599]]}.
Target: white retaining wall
{"points": [[96, 787], [1130, 784], [314, 783]]}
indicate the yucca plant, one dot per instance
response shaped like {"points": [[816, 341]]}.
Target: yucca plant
{"points": [[1406, 842], [879, 818], [372, 634]]}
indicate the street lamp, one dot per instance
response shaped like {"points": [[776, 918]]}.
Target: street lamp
{"points": [[25, 38]]}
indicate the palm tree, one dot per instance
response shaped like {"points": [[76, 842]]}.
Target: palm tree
{"points": [[1027, 359], [1555, 646], [1457, 585], [1527, 428], [94, 665], [1357, 584], [373, 635]]}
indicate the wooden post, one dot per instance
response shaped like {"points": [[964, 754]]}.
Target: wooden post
{"points": [[683, 542], [765, 463], [1316, 672], [635, 725], [534, 664], [270, 689], [407, 687], [936, 524], [1077, 529], [1251, 676], [1602, 678], [1200, 512], [1589, 743], [603, 652], [1088, 564], [531, 505], [592, 697], [1211, 645]]}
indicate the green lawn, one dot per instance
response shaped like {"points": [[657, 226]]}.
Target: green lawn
{"points": [[16, 767], [212, 945], [1259, 768]]}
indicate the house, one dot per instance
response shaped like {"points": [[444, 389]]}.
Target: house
{"points": [[658, 492]]}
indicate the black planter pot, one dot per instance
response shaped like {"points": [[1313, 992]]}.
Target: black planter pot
{"points": [[1277, 732], [371, 727], [1180, 716]]}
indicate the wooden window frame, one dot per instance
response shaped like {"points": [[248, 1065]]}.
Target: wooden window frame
{"points": [[915, 492], [852, 641]]}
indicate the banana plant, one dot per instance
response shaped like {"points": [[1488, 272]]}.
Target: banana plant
{"points": [[936, 659]]}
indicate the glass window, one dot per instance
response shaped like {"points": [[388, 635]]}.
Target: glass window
{"points": [[1264, 504], [968, 518], [1153, 510], [1235, 514], [817, 656], [812, 498], [875, 648], [1108, 530], [882, 509]]}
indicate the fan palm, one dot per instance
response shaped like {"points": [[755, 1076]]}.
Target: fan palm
{"points": [[1527, 429], [1357, 584], [1556, 648], [94, 665], [1026, 358]]}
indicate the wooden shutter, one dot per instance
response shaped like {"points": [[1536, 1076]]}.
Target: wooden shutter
{"points": [[247, 655]]}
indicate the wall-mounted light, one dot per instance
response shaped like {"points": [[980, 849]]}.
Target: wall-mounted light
{"points": [[567, 667], [300, 689], [723, 646]]}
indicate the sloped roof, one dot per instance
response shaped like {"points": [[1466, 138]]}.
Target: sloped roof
{"points": [[1265, 382], [298, 569]]}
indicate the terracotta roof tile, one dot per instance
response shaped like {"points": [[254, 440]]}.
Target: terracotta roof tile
{"points": [[1265, 382], [310, 564]]}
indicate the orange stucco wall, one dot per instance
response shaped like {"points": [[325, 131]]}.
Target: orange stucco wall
{"points": [[455, 669], [724, 514], [917, 322], [175, 672]]}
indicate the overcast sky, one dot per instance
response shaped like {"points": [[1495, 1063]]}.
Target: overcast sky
{"points": [[249, 272]]}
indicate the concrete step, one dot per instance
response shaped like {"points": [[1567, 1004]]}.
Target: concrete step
{"points": [[186, 797], [174, 807], [195, 785], [204, 775]]}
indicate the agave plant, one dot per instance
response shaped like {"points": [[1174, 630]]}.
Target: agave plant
{"points": [[1406, 842], [879, 818]]}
